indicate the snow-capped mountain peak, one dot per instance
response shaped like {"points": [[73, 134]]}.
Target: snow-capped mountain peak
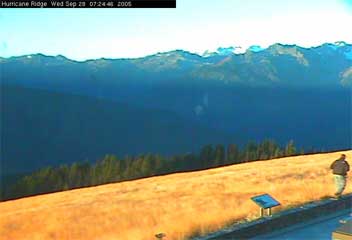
{"points": [[223, 51], [255, 48]]}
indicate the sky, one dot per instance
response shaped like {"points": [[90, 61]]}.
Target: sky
{"points": [[195, 26]]}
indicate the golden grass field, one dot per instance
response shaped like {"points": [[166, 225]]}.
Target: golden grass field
{"points": [[179, 205]]}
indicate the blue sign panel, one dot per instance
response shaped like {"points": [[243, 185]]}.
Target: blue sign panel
{"points": [[265, 201]]}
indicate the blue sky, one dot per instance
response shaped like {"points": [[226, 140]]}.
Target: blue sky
{"points": [[195, 25]]}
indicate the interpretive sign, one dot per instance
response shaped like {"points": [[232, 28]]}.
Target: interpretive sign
{"points": [[265, 201]]}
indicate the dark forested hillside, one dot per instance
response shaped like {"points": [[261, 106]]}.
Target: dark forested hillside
{"points": [[41, 128]]}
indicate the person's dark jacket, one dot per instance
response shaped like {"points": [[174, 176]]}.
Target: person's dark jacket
{"points": [[340, 167]]}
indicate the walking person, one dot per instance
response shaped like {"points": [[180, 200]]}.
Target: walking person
{"points": [[340, 167]]}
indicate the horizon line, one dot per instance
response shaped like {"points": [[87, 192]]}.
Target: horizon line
{"points": [[182, 50]]}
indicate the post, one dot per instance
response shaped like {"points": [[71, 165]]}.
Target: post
{"points": [[261, 212], [269, 212]]}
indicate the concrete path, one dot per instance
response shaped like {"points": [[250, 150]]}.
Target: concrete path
{"points": [[317, 229]]}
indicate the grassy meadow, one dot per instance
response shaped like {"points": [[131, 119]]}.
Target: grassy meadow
{"points": [[180, 205]]}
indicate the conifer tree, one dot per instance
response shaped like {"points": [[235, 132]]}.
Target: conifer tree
{"points": [[219, 155], [233, 154], [290, 148], [207, 156]]}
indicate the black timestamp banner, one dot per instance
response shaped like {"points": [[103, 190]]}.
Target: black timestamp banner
{"points": [[87, 4]]}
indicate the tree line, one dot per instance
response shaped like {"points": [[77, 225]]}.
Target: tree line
{"points": [[112, 169]]}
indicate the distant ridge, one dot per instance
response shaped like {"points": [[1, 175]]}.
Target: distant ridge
{"points": [[220, 50]]}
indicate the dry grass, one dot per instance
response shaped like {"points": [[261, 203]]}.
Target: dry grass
{"points": [[178, 204]]}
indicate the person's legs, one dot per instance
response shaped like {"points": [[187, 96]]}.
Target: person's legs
{"points": [[340, 183]]}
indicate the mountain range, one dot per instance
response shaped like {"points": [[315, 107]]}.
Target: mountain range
{"points": [[65, 110]]}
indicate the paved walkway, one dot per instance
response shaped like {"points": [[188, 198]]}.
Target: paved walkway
{"points": [[318, 229]]}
